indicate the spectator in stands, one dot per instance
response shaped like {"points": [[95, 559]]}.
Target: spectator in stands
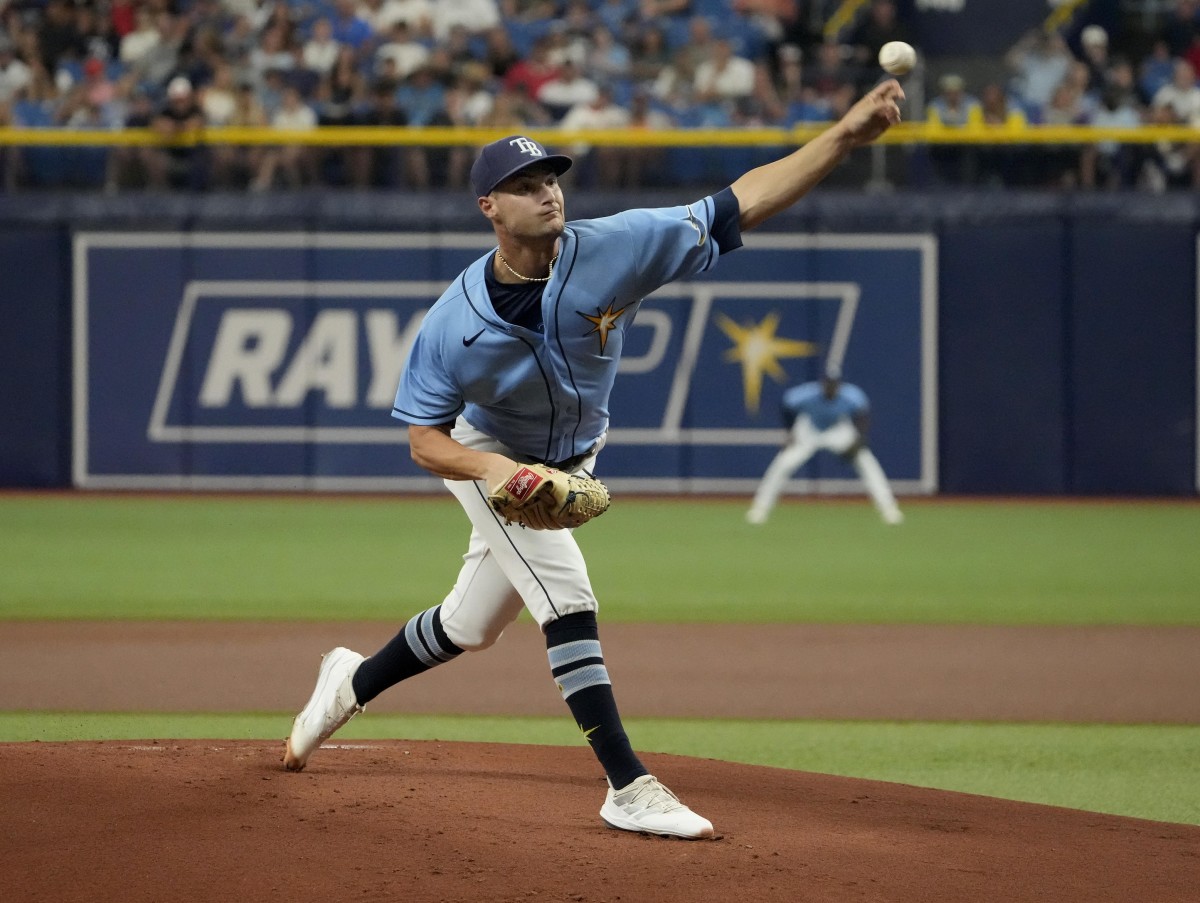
{"points": [[340, 93], [451, 54], [122, 15], [614, 14], [607, 61], [1087, 97], [295, 164], [724, 77], [469, 97], [500, 54], [509, 112], [597, 166], [234, 165], [953, 106], [529, 11], [97, 37], [132, 164], [881, 25], [803, 103], [1182, 95], [1193, 53], [642, 165], [652, 9], [534, 71], [1122, 79], [766, 17], [321, 50], [347, 27], [1111, 164], [1181, 26], [1093, 46], [1059, 164], [832, 71], [58, 36], [379, 166], [763, 107], [566, 90], [999, 165], [178, 165], [699, 47], [1039, 62], [271, 54], [675, 84], [97, 88], [650, 56], [161, 60], [1155, 70], [1169, 164], [137, 42], [416, 14], [422, 96], [406, 54], [15, 75], [477, 16]]}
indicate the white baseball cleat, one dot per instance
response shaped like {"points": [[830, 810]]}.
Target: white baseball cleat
{"points": [[648, 807], [755, 517], [332, 704], [893, 517]]}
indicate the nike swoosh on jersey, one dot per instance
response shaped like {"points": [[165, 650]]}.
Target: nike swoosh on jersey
{"points": [[467, 343]]}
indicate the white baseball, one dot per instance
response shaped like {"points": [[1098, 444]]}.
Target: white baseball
{"points": [[897, 57]]}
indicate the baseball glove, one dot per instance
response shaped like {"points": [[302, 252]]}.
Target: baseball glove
{"points": [[542, 498]]}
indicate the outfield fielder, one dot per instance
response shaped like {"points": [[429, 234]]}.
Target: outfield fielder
{"points": [[515, 363], [826, 414]]}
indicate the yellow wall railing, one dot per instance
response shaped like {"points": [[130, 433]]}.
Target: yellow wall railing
{"points": [[344, 136]]}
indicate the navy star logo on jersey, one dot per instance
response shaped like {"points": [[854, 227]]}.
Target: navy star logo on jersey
{"points": [[603, 322], [697, 225]]}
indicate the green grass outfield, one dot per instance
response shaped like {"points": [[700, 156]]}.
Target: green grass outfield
{"points": [[969, 562]]}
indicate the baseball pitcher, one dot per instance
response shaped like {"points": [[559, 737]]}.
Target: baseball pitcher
{"points": [[505, 393]]}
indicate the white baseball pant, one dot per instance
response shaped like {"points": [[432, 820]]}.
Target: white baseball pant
{"points": [[807, 440], [507, 567]]}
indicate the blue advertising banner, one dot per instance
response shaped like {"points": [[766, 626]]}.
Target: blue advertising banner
{"points": [[270, 361]]}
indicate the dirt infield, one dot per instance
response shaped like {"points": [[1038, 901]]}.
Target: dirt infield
{"points": [[427, 821]]}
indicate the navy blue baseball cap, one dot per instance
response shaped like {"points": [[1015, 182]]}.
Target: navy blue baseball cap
{"points": [[508, 156]]}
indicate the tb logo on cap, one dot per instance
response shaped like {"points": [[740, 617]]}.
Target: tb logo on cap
{"points": [[527, 146]]}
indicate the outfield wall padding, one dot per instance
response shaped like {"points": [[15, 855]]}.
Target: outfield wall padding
{"points": [[1065, 324]]}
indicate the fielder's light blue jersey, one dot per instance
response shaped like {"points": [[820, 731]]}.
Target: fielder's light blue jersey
{"points": [[545, 395], [809, 398]]}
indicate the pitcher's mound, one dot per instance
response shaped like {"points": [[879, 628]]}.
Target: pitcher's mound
{"points": [[430, 821]]}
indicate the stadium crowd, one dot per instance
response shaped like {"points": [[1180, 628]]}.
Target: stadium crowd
{"points": [[182, 65]]}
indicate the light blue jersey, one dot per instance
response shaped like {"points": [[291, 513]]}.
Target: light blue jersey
{"points": [[545, 395], [809, 399]]}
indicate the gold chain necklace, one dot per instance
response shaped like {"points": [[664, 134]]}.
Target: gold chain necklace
{"points": [[545, 278]]}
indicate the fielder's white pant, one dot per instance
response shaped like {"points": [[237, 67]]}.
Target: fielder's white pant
{"points": [[807, 440], [507, 568]]}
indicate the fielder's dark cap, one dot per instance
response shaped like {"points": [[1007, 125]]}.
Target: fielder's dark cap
{"points": [[508, 156]]}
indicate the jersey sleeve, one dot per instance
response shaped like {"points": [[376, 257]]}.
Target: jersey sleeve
{"points": [[427, 395], [857, 399], [671, 243]]}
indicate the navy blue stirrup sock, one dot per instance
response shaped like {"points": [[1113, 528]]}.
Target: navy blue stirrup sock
{"points": [[573, 646], [421, 645]]}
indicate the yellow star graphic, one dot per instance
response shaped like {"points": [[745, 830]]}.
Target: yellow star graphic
{"points": [[587, 732], [758, 350], [603, 322]]}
